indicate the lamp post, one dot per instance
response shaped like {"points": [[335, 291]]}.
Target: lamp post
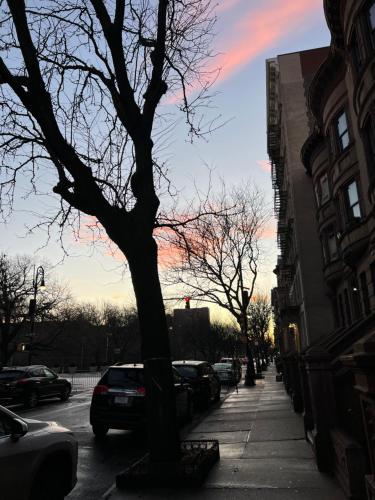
{"points": [[250, 372], [38, 282]]}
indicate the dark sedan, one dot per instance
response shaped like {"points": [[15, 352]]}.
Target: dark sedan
{"points": [[29, 384], [118, 400], [202, 378]]}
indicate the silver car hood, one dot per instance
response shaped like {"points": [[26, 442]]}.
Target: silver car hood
{"points": [[36, 425]]}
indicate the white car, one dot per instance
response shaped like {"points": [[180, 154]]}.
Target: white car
{"points": [[38, 460]]}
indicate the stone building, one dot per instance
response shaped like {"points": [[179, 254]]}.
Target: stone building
{"points": [[321, 141]]}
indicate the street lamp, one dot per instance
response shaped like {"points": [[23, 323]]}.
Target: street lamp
{"points": [[250, 373], [38, 282]]}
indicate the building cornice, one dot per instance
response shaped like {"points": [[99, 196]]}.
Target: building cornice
{"points": [[332, 12], [329, 73]]}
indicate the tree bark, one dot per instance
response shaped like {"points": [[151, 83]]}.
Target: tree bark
{"points": [[160, 398]]}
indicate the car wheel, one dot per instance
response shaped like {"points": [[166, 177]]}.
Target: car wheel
{"points": [[31, 399], [65, 393], [50, 483], [100, 430]]}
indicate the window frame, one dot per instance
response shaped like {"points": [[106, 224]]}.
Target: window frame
{"points": [[339, 136], [349, 206]]}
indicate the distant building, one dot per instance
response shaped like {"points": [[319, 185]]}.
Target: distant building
{"points": [[321, 142], [190, 328]]}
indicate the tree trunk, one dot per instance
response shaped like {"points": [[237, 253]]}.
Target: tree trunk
{"points": [[160, 398]]}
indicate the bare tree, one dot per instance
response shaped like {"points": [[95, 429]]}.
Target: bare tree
{"points": [[16, 290], [217, 256], [81, 85], [259, 315]]}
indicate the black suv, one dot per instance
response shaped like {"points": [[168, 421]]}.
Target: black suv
{"points": [[28, 384], [202, 378], [118, 400]]}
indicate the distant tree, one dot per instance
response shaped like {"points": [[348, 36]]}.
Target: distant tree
{"points": [[216, 256], [81, 87], [122, 333], [16, 290], [259, 316]]}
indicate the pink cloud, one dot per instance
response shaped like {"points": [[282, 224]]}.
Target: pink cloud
{"points": [[261, 28], [264, 165], [256, 31]]}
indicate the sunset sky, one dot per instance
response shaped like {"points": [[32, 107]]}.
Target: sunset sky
{"points": [[248, 32]]}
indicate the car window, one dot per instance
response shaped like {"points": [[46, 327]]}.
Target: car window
{"points": [[187, 371], [5, 429], [177, 379], [48, 373], [37, 372], [125, 377], [10, 375]]}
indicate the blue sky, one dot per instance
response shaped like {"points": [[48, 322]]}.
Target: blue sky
{"points": [[247, 35]]}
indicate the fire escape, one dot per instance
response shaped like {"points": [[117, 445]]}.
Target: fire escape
{"points": [[282, 301]]}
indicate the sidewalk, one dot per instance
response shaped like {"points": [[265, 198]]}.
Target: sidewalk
{"points": [[263, 453]]}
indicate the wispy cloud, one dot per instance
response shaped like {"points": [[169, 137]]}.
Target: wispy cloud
{"points": [[259, 29]]}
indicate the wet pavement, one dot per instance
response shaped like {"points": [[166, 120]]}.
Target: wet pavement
{"points": [[263, 452]]}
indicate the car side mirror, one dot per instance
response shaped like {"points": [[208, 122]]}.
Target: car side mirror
{"points": [[18, 429]]}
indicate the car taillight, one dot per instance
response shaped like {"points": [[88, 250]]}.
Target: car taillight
{"points": [[22, 381], [141, 390], [100, 389]]}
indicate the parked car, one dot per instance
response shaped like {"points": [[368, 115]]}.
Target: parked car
{"points": [[29, 384], [226, 373], [202, 378], [38, 460], [118, 400], [237, 367]]}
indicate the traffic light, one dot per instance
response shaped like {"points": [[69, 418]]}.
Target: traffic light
{"points": [[187, 302]]}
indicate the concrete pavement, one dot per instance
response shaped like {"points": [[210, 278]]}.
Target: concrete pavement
{"points": [[263, 452]]}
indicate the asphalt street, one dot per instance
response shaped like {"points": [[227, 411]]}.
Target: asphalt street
{"points": [[99, 460]]}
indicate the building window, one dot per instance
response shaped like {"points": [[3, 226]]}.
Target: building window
{"points": [[332, 246], [347, 307], [371, 21], [364, 292], [353, 209], [342, 131], [369, 140]]}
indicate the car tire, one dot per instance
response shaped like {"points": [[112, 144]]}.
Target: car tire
{"points": [[65, 393], [50, 482], [100, 431], [31, 399]]}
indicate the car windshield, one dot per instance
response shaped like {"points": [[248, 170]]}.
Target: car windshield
{"points": [[187, 371], [10, 375], [125, 377], [222, 366]]}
